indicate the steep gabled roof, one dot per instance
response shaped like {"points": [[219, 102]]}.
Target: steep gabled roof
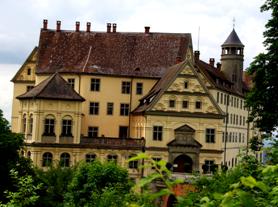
{"points": [[120, 53], [233, 39], [148, 101], [53, 88], [218, 79]]}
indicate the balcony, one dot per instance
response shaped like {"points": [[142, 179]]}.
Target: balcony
{"points": [[113, 143]]}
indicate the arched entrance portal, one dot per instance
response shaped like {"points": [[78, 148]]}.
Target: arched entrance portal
{"points": [[183, 164]]}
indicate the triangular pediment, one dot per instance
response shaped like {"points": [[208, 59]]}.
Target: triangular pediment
{"points": [[184, 128], [181, 89]]}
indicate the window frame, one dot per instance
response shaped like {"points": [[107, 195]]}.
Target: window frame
{"points": [[66, 127], [95, 84], [46, 159], [65, 159], [139, 88], [93, 130], [94, 108], [124, 109], [157, 133], [126, 87], [109, 108], [210, 135], [49, 126]]}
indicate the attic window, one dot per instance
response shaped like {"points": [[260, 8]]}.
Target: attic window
{"points": [[29, 71], [137, 69]]}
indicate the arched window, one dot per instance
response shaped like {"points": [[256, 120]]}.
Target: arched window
{"points": [[31, 124], [24, 123], [112, 158], [132, 164], [29, 154], [47, 159], [65, 160], [67, 126], [90, 157], [49, 126]]}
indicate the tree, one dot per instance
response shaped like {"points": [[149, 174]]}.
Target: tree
{"points": [[10, 143], [263, 97], [97, 184]]}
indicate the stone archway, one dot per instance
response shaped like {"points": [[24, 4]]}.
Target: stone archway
{"points": [[183, 164]]}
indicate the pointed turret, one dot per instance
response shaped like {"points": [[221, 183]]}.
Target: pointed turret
{"points": [[232, 60]]}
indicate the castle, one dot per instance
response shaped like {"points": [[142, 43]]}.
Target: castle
{"points": [[86, 95]]}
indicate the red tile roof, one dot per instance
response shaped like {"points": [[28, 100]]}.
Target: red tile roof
{"points": [[131, 54]]}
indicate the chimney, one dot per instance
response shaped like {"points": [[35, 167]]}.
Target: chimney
{"points": [[58, 26], [218, 66], [108, 27], [211, 62], [197, 55], [88, 27], [77, 26], [45, 24], [147, 30], [114, 27]]}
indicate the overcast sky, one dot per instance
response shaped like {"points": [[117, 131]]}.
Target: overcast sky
{"points": [[21, 20]]}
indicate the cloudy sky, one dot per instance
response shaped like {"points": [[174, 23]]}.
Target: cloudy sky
{"points": [[21, 20]]}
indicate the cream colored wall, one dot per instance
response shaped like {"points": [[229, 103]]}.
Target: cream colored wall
{"points": [[234, 148], [40, 109], [20, 86]]}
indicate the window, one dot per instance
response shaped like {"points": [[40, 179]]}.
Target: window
{"points": [[29, 71], [198, 105], [92, 131], [243, 121], [95, 84], [110, 107], [217, 97], [185, 84], [31, 124], [157, 133], [230, 137], [239, 137], [139, 88], [71, 82], [29, 155], [112, 158], [126, 87], [124, 109], [123, 131], [209, 164], [65, 160], [210, 135], [221, 98], [240, 104], [28, 88], [66, 127], [132, 164], [94, 108], [240, 120], [172, 103], [90, 157], [47, 159], [185, 104], [49, 128], [24, 123]]}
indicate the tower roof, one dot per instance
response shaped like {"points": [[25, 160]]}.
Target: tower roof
{"points": [[233, 39], [53, 88]]}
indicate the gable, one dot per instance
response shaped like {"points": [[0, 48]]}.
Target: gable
{"points": [[187, 86], [26, 73]]}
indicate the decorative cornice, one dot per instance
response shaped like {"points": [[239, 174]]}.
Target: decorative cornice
{"points": [[185, 114]]}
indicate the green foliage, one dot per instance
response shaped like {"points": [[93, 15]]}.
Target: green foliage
{"points": [[54, 181], [263, 98], [161, 175], [97, 184], [26, 194], [10, 143]]}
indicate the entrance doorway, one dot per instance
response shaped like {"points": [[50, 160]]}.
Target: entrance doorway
{"points": [[183, 164]]}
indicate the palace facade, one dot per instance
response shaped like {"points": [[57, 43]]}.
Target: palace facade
{"points": [[85, 95]]}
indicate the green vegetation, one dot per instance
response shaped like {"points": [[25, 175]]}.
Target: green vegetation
{"points": [[263, 98]]}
